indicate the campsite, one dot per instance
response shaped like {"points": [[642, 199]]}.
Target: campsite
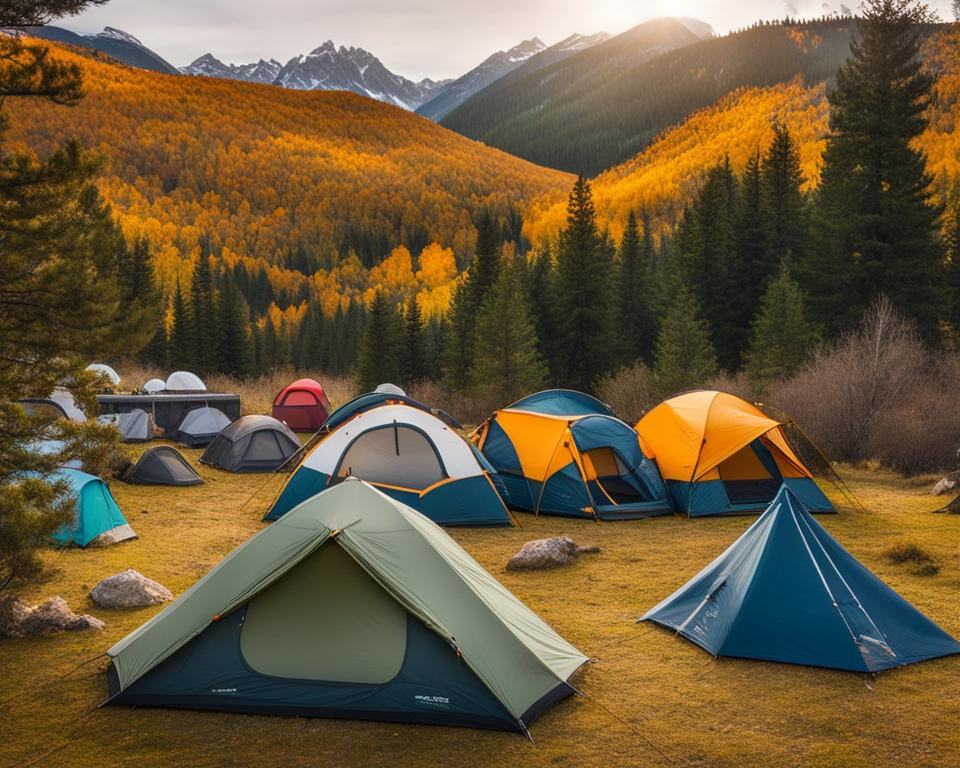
{"points": [[527, 384]]}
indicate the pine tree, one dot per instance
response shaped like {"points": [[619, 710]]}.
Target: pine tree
{"points": [[876, 226], [543, 307], [380, 357], [415, 365], [458, 349], [684, 355], [584, 337], [204, 311], [182, 337], [507, 363], [784, 208], [634, 319], [781, 336], [232, 346], [752, 244], [486, 260]]}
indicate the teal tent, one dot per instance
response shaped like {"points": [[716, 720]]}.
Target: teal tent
{"points": [[787, 591], [97, 516]]}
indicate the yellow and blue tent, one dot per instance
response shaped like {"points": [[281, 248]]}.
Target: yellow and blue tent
{"points": [[720, 455], [564, 453]]}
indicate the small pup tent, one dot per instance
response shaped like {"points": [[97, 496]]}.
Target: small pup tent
{"points": [[161, 465], [201, 425], [562, 453], [105, 371], [97, 516], [303, 405], [721, 455], [408, 454], [350, 606], [184, 381], [135, 426], [153, 386], [252, 444], [787, 591]]}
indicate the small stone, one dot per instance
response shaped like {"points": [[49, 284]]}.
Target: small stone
{"points": [[129, 589], [547, 553]]}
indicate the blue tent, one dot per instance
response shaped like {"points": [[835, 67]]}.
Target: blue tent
{"points": [[561, 402], [787, 591], [97, 514]]}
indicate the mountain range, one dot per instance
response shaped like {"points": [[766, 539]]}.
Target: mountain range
{"points": [[121, 45]]}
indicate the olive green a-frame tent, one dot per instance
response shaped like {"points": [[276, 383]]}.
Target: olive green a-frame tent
{"points": [[351, 605]]}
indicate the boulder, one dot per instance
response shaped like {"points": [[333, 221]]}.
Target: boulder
{"points": [[20, 619], [546, 553], [945, 484], [129, 589]]}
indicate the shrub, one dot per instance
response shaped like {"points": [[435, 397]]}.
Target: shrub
{"points": [[912, 554], [630, 391]]}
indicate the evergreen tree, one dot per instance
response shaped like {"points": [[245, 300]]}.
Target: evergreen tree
{"points": [[380, 352], [584, 338], [684, 355], [204, 311], [415, 365], [876, 226], [486, 260], [232, 346], [507, 363], [784, 208], [542, 294], [781, 337], [181, 333], [634, 321], [458, 350], [752, 244]]}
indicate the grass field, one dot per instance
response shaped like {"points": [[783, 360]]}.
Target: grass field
{"points": [[650, 698]]}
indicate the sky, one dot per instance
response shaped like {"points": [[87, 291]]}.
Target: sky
{"points": [[413, 38]]}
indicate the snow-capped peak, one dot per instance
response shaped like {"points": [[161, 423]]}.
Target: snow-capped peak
{"points": [[118, 34], [578, 42]]}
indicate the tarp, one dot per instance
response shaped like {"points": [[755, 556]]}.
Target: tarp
{"points": [[787, 591], [475, 655], [252, 444], [97, 516], [721, 455], [201, 425], [408, 454], [161, 465], [584, 465]]}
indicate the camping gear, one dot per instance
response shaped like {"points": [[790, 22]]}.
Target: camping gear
{"points": [[59, 403], [350, 606], [303, 405], [201, 425], [788, 591], [389, 389], [168, 409], [252, 444], [161, 465], [408, 454], [135, 426], [555, 460], [184, 381], [154, 385], [720, 455], [104, 370], [97, 515]]}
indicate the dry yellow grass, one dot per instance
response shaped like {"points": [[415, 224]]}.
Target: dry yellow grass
{"points": [[697, 710]]}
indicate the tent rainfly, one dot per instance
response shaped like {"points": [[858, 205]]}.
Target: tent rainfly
{"points": [[720, 455], [184, 381], [787, 591], [97, 518], [201, 425], [561, 453], [252, 444], [351, 606], [410, 455], [135, 426], [161, 465], [303, 405]]}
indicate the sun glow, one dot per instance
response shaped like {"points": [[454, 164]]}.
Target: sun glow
{"points": [[616, 16]]}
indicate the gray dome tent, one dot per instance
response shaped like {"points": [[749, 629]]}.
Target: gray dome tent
{"points": [[161, 465], [252, 444], [201, 425], [135, 426]]}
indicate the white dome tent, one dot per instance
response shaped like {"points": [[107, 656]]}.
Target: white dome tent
{"points": [[105, 371], [184, 381], [153, 386]]}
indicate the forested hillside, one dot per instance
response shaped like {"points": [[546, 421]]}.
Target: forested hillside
{"points": [[584, 117], [292, 183]]}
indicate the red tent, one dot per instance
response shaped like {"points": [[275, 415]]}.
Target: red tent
{"points": [[303, 406]]}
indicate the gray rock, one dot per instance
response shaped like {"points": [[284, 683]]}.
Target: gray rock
{"points": [[129, 589], [20, 619], [547, 553]]}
